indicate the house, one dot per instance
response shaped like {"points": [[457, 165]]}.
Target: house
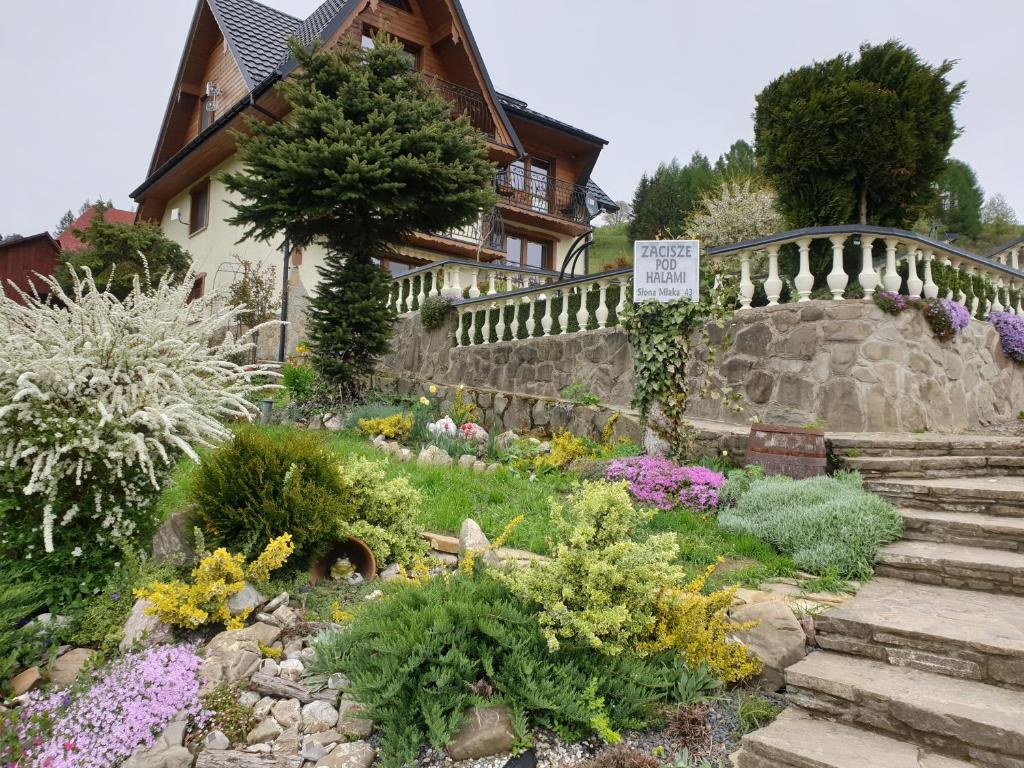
{"points": [[236, 51], [22, 259], [68, 240]]}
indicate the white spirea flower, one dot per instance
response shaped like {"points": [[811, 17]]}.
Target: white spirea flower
{"points": [[76, 552], [103, 395]]}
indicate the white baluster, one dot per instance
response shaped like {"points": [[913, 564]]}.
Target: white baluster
{"points": [[975, 300], [407, 291], [531, 324], [868, 277], [485, 331], [914, 283], [1015, 258], [931, 290], [997, 302], [837, 278], [892, 278], [746, 284], [546, 321], [582, 314], [951, 293], [472, 325], [621, 306], [602, 305], [961, 296], [435, 277], [563, 315], [491, 290], [804, 280], [422, 295], [474, 287], [773, 285], [513, 329], [499, 327]]}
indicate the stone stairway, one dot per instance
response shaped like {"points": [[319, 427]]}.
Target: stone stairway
{"points": [[924, 668]]}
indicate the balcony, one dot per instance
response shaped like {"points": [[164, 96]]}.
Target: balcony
{"points": [[466, 101], [539, 193]]}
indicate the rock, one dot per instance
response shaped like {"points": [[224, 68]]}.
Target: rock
{"points": [[269, 667], [404, 455], [24, 682], [505, 440], [449, 561], [142, 628], [355, 580], [266, 618], [379, 441], [318, 716], [281, 688], [486, 731], [807, 624], [467, 460], [473, 539], [442, 543], [216, 740], [263, 707], [432, 456], [391, 447], [166, 752], [311, 750], [291, 669], [267, 730], [288, 742], [248, 699], [390, 573], [479, 467], [173, 540], [66, 668], [235, 655], [338, 682], [491, 468], [777, 640], [292, 649], [262, 633], [277, 602], [246, 601], [324, 738], [334, 423], [357, 754], [259, 749], [351, 724], [377, 594], [527, 759], [544, 447], [246, 759], [286, 616], [288, 712]]}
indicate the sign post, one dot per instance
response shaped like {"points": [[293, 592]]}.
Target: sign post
{"points": [[666, 270]]}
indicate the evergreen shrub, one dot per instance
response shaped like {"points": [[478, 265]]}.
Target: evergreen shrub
{"points": [[823, 523], [421, 656], [434, 312]]}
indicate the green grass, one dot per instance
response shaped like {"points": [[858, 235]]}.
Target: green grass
{"points": [[452, 494], [611, 244]]}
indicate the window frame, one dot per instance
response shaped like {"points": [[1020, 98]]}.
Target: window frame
{"points": [[202, 188], [525, 238], [415, 51]]}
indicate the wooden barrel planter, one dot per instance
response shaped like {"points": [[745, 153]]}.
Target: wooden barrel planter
{"points": [[360, 555]]}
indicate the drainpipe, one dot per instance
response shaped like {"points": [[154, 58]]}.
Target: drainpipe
{"points": [[286, 263]]}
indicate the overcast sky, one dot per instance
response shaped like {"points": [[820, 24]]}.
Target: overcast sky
{"points": [[84, 85]]}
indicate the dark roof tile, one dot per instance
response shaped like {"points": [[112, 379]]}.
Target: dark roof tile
{"points": [[314, 26], [519, 107], [257, 34]]}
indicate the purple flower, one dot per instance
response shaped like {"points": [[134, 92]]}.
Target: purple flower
{"points": [[1011, 333], [115, 596], [666, 485], [959, 317]]}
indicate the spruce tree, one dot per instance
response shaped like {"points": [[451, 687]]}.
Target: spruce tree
{"points": [[369, 154]]}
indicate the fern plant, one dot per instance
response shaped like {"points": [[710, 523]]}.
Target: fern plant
{"points": [[420, 657]]}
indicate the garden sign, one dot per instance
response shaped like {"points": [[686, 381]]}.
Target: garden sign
{"points": [[666, 270]]}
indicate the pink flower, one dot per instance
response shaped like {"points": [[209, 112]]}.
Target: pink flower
{"points": [[666, 485]]}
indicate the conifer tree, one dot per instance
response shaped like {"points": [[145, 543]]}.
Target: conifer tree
{"points": [[369, 153]]}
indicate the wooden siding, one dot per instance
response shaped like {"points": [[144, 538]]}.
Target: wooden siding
{"points": [[221, 70], [21, 259]]}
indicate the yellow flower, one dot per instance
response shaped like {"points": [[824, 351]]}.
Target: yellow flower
{"points": [[433, 389], [424, 401]]}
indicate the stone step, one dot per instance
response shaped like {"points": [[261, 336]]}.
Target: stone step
{"points": [[797, 740], [881, 444], [962, 719], [935, 466], [953, 565], [958, 633], [971, 529], [988, 495]]}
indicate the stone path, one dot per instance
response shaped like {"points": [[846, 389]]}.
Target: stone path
{"points": [[924, 668]]}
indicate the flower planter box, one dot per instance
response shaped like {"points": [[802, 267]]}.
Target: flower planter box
{"points": [[791, 451]]}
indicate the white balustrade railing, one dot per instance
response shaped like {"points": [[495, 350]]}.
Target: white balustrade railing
{"points": [[457, 279], [881, 252], [570, 306]]}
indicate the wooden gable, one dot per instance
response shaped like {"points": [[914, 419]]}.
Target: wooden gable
{"points": [[207, 58]]}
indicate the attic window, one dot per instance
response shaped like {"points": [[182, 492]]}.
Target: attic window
{"points": [[411, 54]]}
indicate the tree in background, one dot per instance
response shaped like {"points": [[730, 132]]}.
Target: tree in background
{"points": [[369, 154], [957, 208], [863, 139], [734, 212], [998, 216], [737, 164], [112, 254], [65, 221], [664, 201], [622, 216]]}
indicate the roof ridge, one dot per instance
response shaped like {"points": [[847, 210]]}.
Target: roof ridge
{"points": [[297, 19]]}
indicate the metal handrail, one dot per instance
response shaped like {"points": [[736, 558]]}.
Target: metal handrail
{"points": [[495, 266], [542, 194], [466, 101]]}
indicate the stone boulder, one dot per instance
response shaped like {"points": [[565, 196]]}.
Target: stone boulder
{"points": [[173, 540], [142, 628], [246, 601], [66, 668], [318, 716], [486, 731], [234, 655], [432, 456], [167, 751], [777, 640], [473, 539], [355, 754]]}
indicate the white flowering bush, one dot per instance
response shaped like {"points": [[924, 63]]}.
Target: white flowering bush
{"points": [[102, 396], [734, 213]]}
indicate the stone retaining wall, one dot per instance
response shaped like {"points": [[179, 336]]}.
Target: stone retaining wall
{"points": [[847, 366]]}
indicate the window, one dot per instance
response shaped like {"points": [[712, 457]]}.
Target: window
{"points": [[393, 268], [529, 181], [198, 288], [524, 251], [411, 54], [199, 208], [206, 113]]}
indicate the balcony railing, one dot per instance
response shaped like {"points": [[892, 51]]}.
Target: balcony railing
{"points": [[542, 194], [466, 101]]}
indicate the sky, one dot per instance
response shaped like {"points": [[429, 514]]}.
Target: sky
{"points": [[85, 85]]}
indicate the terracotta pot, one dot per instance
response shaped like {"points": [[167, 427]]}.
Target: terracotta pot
{"points": [[358, 554]]}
